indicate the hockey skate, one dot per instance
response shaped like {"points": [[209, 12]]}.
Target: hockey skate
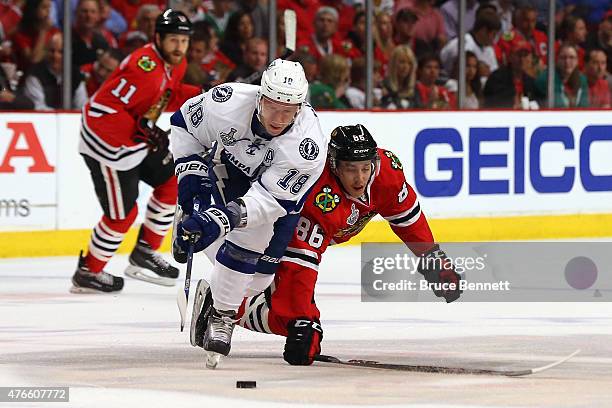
{"points": [[149, 266], [218, 335], [202, 305], [86, 281]]}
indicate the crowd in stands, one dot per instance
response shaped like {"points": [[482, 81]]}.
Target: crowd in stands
{"points": [[415, 50]]}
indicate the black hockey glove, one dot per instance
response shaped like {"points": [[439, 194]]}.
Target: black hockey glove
{"points": [[303, 343], [193, 182], [438, 269], [149, 133]]}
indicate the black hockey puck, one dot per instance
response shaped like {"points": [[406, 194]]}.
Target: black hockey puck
{"points": [[246, 384]]}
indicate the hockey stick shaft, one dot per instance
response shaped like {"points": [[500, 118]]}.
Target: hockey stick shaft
{"points": [[290, 20], [183, 298]]}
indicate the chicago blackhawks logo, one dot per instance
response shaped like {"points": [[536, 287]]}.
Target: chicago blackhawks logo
{"points": [[326, 201], [146, 64], [395, 161]]}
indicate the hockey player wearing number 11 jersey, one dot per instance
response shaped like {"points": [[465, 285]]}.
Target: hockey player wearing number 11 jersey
{"points": [[360, 180]]}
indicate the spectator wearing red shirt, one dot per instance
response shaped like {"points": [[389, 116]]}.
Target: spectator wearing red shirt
{"points": [[383, 38], [429, 27], [595, 70], [346, 16], [129, 8], [10, 16], [432, 96], [97, 72], [525, 19], [357, 37], [305, 12], [239, 30], [405, 20], [323, 42], [204, 52], [34, 32], [573, 31]]}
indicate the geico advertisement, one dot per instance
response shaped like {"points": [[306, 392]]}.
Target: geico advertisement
{"points": [[27, 171], [498, 163]]}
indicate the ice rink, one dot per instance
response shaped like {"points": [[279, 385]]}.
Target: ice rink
{"points": [[126, 350]]}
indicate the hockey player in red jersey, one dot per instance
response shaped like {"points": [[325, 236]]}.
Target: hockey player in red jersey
{"points": [[360, 180], [121, 146]]}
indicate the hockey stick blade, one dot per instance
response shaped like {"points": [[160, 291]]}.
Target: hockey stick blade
{"points": [[290, 20], [441, 369]]}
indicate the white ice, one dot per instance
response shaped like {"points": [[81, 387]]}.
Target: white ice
{"points": [[126, 349]]}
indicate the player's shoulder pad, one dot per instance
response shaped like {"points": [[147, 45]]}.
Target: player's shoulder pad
{"points": [[388, 159], [232, 94], [190, 115]]}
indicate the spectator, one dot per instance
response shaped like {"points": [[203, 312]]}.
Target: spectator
{"points": [[323, 41], [450, 13], [305, 12], [96, 73], [34, 32], [599, 92], [346, 16], [129, 8], [111, 19], [525, 19], [43, 84], [429, 27], [219, 16], [398, 87], [204, 51], [11, 98], [86, 39], [571, 88], [573, 31], [383, 38], [505, 11], [405, 20], [259, 15], [193, 9], [309, 63], [473, 84], [431, 95], [334, 78], [479, 41], [355, 93], [357, 38], [255, 62], [145, 26], [602, 38], [105, 13], [10, 16], [511, 86], [239, 30]]}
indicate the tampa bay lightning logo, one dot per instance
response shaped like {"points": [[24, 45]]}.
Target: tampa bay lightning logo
{"points": [[309, 149], [222, 93]]}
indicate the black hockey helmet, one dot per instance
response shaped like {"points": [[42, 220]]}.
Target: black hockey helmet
{"points": [[173, 22], [351, 143]]}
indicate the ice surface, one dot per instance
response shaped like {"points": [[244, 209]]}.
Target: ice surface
{"points": [[126, 350]]}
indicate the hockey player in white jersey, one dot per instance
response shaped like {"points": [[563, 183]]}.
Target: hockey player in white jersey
{"points": [[256, 150]]}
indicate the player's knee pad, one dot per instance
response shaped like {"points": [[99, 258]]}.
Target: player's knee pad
{"points": [[303, 341], [121, 225]]}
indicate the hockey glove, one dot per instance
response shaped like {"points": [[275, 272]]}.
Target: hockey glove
{"points": [[149, 133], [208, 225], [303, 341], [438, 270], [193, 182]]}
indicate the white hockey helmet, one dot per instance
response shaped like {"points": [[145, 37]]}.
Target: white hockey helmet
{"points": [[284, 81]]}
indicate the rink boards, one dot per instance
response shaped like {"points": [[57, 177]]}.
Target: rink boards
{"points": [[479, 175]]}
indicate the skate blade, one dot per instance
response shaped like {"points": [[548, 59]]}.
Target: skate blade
{"points": [[212, 359], [80, 290], [198, 300], [135, 272]]}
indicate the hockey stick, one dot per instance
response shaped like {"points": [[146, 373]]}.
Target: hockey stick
{"points": [[290, 33], [182, 297], [441, 369]]}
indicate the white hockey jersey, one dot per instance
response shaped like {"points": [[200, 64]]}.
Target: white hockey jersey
{"points": [[281, 169]]}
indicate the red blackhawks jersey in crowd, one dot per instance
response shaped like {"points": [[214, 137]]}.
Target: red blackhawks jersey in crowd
{"points": [[110, 116], [332, 216]]}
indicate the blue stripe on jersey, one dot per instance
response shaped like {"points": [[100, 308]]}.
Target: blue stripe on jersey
{"points": [[178, 120], [283, 231], [237, 258]]}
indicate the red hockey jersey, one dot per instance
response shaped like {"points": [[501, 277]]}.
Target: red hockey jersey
{"points": [[331, 215], [110, 116]]}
